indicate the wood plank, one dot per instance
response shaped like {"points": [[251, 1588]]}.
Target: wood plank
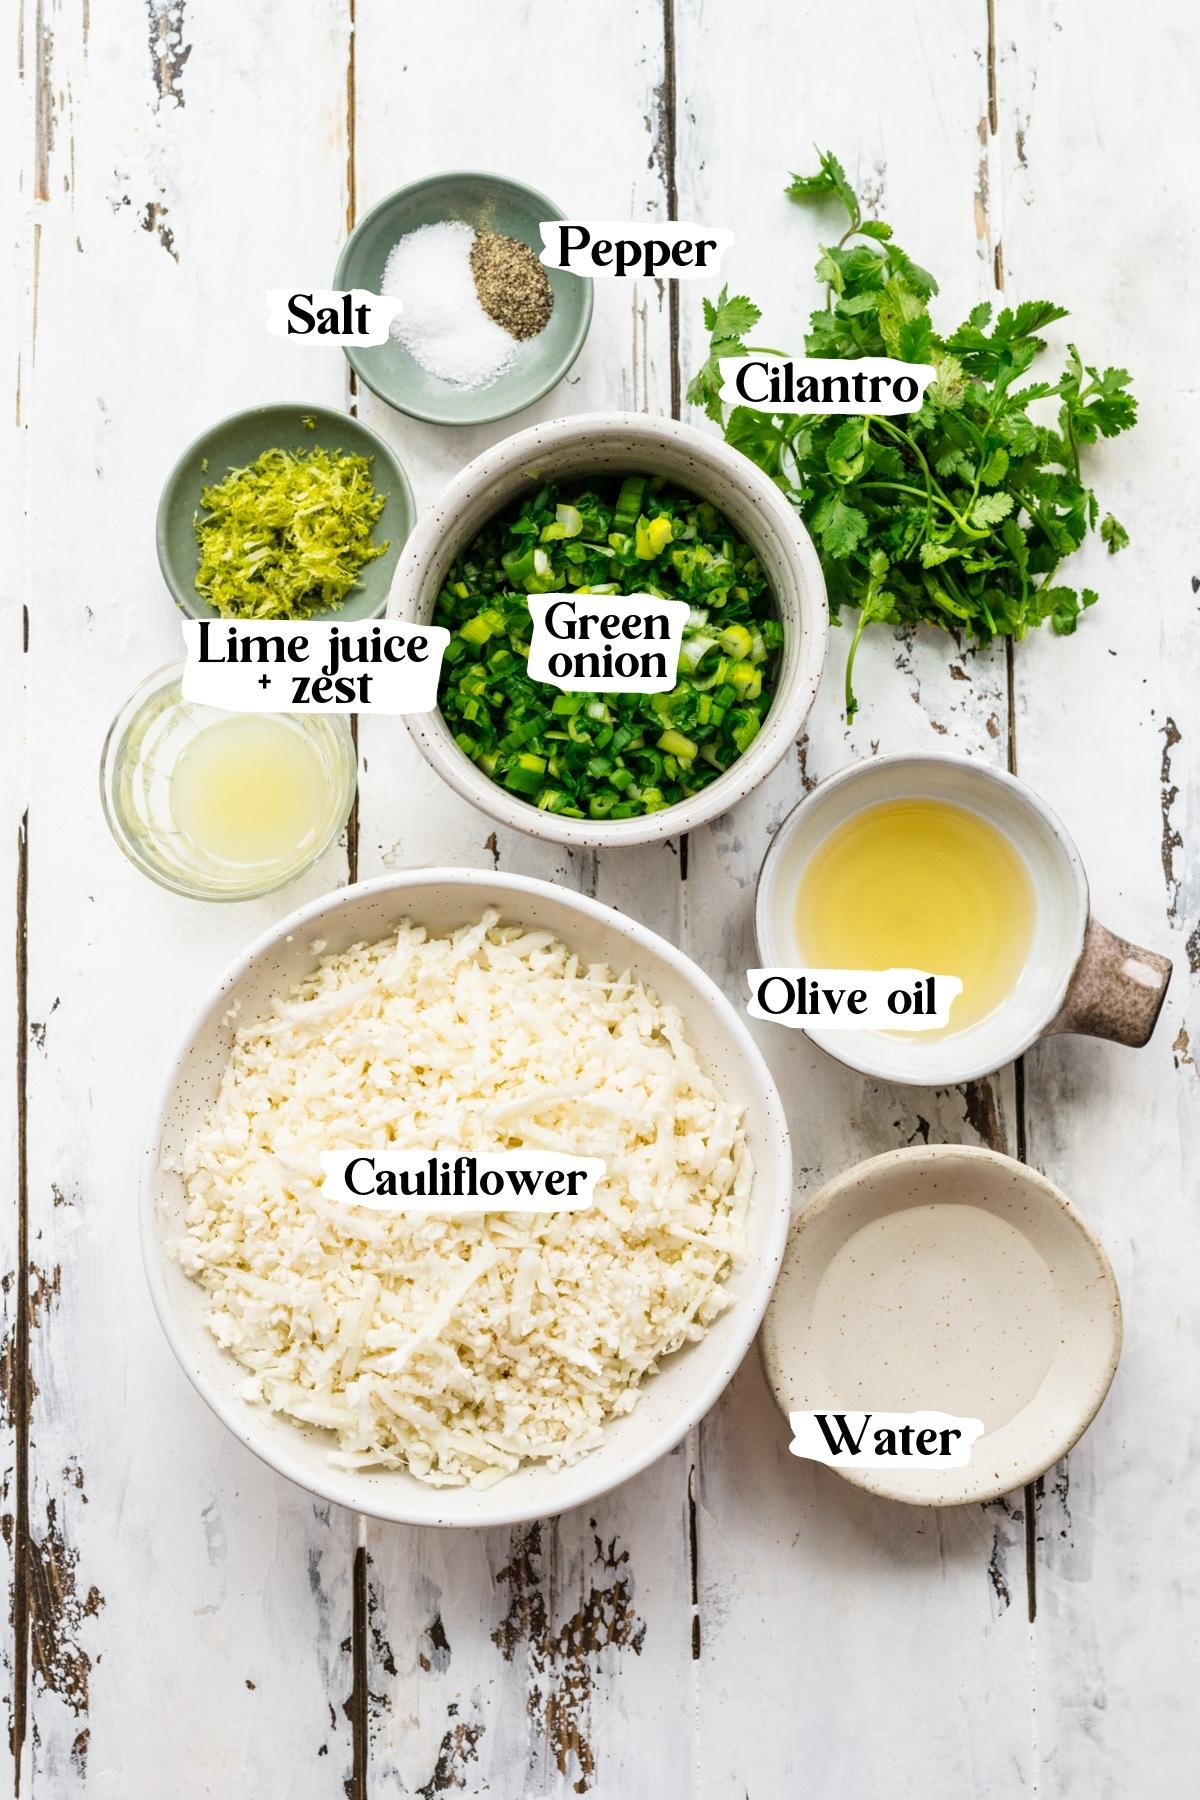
{"points": [[543, 1660], [1097, 142], [186, 1608], [17, 133], [812, 1595]]}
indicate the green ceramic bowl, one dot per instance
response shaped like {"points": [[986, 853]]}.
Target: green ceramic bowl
{"points": [[486, 202], [242, 438]]}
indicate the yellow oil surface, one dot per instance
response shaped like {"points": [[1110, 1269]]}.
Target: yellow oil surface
{"points": [[920, 884], [250, 790]]}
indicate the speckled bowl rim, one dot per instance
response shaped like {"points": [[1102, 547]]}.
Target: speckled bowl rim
{"points": [[854, 1048], [539, 388], [960, 1488], [370, 1491], [183, 592], [433, 545]]}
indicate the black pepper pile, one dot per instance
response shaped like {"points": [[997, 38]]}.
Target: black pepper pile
{"points": [[512, 285]]}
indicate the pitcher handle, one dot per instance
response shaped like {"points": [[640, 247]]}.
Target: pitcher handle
{"points": [[1116, 992]]}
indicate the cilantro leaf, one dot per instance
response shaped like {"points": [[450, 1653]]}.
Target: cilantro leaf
{"points": [[1030, 317], [830, 179], [948, 389], [1104, 407], [728, 319], [1113, 533], [989, 509], [731, 316], [995, 468], [846, 456], [919, 280], [840, 528], [953, 462]]}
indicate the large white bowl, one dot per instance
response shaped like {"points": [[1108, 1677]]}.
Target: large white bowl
{"points": [[621, 444], [688, 1382]]}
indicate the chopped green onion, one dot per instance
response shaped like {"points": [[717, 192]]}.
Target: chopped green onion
{"points": [[652, 537], [736, 640], [613, 755], [525, 775], [629, 502], [675, 744]]}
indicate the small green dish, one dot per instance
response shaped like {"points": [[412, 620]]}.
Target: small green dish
{"points": [[486, 203], [240, 439]]}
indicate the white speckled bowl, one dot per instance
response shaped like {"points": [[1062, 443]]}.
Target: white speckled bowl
{"points": [[621, 444], [947, 1279], [687, 1383]]}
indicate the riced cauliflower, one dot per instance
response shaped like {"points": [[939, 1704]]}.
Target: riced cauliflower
{"points": [[459, 1346]]}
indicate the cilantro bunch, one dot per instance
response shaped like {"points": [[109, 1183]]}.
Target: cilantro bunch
{"points": [[959, 514]]}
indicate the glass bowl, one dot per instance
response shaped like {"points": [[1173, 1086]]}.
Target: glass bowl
{"points": [[140, 755]]}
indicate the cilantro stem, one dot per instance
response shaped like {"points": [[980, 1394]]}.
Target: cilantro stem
{"points": [[850, 231], [850, 703], [956, 592], [1071, 439], [971, 427], [935, 491], [1023, 502], [937, 499]]}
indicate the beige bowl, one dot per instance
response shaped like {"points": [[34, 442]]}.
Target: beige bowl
{"points": [[950, 1280], [621, 444]]}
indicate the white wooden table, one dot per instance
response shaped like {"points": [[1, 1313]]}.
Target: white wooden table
{"points": [[733, 1622]]}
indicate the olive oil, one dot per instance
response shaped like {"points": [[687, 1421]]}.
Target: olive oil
{"points": [[250, 791], [920, 884]]}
